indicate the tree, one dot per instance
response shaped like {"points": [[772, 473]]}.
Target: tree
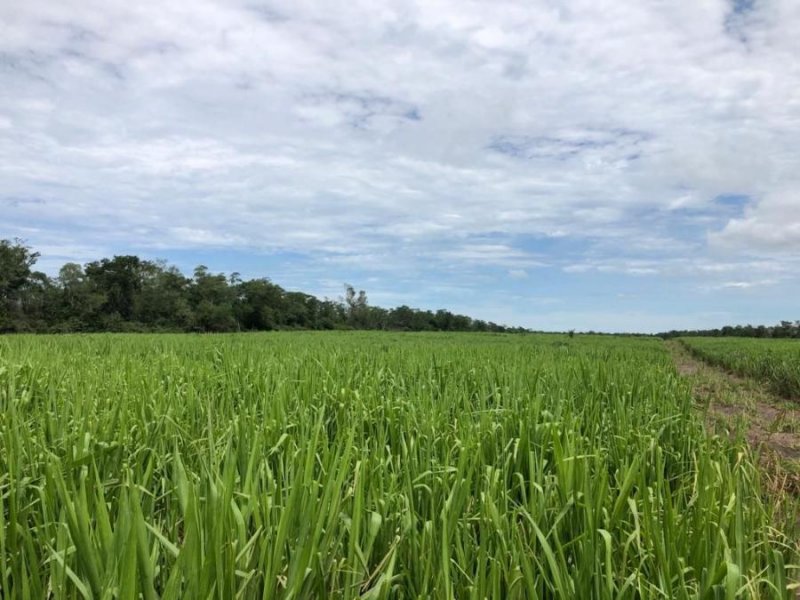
{"points": [[16, 260], [401, 318], [78, 301], [163, 299], [443, 320], [301, 310], [357, 307], [120, 279], [127, 293], [212, 300], [259, 304], [330, 314]]}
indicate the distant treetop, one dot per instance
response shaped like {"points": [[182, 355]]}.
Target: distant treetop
{"points": [[785, 329], [127, 293]]}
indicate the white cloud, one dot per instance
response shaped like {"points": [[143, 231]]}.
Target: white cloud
{"points": [[773, 225], [743, 285], [409, 133]]}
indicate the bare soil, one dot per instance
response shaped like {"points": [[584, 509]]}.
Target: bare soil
{"points": [[770, 424], [742, 405]]}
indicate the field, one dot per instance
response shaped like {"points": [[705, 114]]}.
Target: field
{"points": [[370, 465], [774, 362]]}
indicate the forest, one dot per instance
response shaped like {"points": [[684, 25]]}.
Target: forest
{"points": [[784, 329], [128, 293]]}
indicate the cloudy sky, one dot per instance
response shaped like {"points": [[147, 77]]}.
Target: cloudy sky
{"points": [[588, 164]]}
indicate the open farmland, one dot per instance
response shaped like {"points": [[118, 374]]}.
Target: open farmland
{"points": [[371, 465], [774, 362]]}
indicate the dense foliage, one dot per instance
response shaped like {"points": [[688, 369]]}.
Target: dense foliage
{"points": [[370, 465], [126, 293], [784, 329], [775, 362]]}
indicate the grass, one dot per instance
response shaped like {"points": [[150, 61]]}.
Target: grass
{"points": [[370, 465], [775, 362]]}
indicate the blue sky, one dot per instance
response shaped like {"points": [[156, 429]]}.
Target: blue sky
{"points": [[588, 164]]}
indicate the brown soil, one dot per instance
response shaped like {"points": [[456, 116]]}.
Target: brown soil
{"points": [[742, 404], [770, 424]]}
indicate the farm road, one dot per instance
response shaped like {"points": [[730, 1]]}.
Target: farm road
{"points": [[736, 401], [770, 423]]}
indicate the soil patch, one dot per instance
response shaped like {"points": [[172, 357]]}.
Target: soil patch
{"points": [[770, 424], [742, 405]]}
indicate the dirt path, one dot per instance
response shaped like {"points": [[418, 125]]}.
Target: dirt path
{"points": [[770, 424], [743, 404]]}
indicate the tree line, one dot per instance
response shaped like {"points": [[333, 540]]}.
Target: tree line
{"points": [[784, 329], [127, 293]]}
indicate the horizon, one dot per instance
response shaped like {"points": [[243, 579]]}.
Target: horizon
{"points": [[554, 166], [340, 299]]}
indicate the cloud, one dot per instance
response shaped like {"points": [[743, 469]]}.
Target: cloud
{"points": [[771, 226], [486, 139], [611, 146], [743, 285]]}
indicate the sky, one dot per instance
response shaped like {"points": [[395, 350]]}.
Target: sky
{"points": [[553, 164]]}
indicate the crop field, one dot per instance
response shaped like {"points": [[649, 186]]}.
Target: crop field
{"points": [[775, 362], [371, 465]]}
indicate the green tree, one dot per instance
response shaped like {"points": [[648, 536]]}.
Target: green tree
{"points": [[16, 260], [259, 305], [163, 299], [120, 279], [79, 300], [401, 318], [357, 307], [212, 300]]}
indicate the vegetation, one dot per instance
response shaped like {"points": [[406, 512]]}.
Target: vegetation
{"points": [[370, 465], [784, 329], [775, 362], [126, 293]]}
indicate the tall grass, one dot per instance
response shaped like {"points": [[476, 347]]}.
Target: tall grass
{"points": [[775, 362], [372, 466]]}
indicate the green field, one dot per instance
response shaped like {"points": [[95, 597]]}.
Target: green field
{"points": [[371, 465], [774, 362]]}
